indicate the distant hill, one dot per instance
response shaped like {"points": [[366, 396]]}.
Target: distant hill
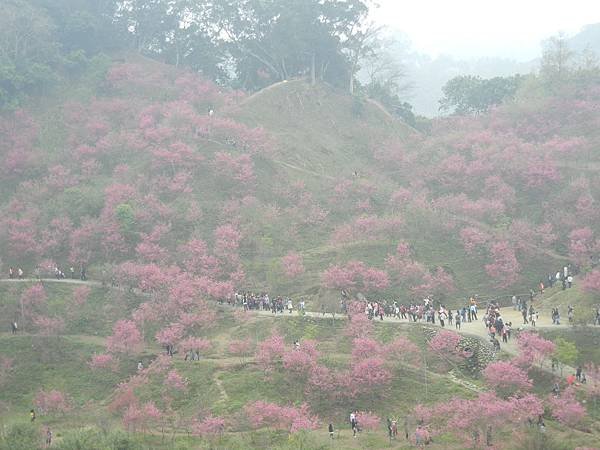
{"points": [[587, 38]]}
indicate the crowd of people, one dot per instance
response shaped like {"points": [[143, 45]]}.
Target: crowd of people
{"points": [[57, 273], [427, 310], [262, 302], [16, 273]]}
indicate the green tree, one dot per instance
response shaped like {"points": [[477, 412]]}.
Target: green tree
{"points": [[126, 218], [28, 50], [273, 40], [469, 94], [557, 57], [566, 353]]}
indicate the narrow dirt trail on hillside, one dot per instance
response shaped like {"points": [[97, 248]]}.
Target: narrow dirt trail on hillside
{"points": [[223, 396], [51, 280], [300, 169], [588, 167], [474, 328], [484, 226], [79, 338]]}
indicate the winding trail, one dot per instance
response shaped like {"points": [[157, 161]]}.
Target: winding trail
{"points": [[473, 329]]}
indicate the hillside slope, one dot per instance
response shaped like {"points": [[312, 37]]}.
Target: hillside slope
{"points": [[143, 165]]}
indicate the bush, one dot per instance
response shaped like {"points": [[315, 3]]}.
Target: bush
{"points": [[21, 437], [94, 439]]}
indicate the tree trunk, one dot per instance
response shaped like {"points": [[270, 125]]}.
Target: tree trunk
{"points": [[313, 79]]}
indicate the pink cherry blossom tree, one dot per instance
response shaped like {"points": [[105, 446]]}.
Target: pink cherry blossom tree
{"points": [[49, 402], [581, 245], [32, 300], [302, 360], [103, 361], [210, 426], [566, 409], [292, 265], [80, 295], [287, 418], [504, 268], [506, 378], [125, 339], [591, 282], [368, 421], [175, 381], [533, 349], [269, 353], [473, 239], [240, 348], [49, 326]]}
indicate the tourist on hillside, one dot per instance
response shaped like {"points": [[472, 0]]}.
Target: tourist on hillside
{"points": [[569, 281], [473, 309], [457, 319], [330, 428], [32, 415], [496, 344], [353, 423], [11, 273], [48, 437], [421, 436], [442, 317], [533, 316], [524, 314], [20, 273], [555, 316], [14, 327], [570, 312]]}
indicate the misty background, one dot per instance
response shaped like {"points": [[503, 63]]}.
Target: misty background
{"points": [[433, 42]]}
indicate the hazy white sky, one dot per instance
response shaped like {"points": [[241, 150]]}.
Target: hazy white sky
{"points": [[505, 28]]}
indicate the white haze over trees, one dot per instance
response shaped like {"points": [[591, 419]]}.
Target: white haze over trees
{"points": [[435, 41]]}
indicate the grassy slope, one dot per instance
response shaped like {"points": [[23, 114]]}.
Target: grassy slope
{"points": [[321, 141], [220, 383], [321, 137]]}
